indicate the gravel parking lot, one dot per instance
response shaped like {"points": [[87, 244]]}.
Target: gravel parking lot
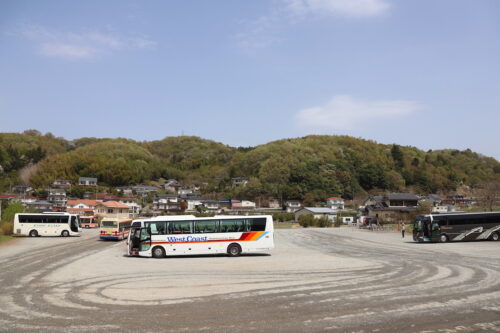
{"points": [[316, 280]]}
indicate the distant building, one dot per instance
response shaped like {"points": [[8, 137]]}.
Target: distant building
{"points": [[125, 191], [335, 203], [87, 181], [144, 190], [185, 190], [391, 207], [40, 206], [239, 181], [273, 203], [457, 199], [57, 197], [22, 189], [172, 186], [211, 205], [82, 204], [442, 209], [62, 183], [225, 204], [317, 212], [167, 203], [112, 209], [292, 206], [193, 203], [9, 197], [134, 208]]}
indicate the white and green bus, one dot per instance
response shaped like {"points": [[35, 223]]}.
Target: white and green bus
{"points": [[163, 236], [47, 224]]}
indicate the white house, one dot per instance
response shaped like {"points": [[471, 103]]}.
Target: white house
{"points": [[444, 209], [87, 181], [335, 203], [293, 205], [317, 212]]}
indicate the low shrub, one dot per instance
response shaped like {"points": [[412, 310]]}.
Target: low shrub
{"points": [[283, 217], [309, 221], [323, 222], [6, 228]]}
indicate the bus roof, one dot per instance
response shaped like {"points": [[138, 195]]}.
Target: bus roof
{"points": [[47, 213], [192, 217], [462, 213]]}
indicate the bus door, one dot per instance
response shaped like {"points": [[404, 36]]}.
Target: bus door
{"points": [[435, 231], [426, 230], [74, 224], [134, 241], [145, 239]]}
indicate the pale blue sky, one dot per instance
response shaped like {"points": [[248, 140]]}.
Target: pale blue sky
{"points": [[420, 73]]}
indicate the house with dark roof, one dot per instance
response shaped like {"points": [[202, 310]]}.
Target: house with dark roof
{"points": [[239, 181], [391, 207], [22, 189], [40, 205], [87, 181], [167, 203]]}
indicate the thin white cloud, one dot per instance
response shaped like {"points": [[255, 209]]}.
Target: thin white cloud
{"points": [[67, 51], [266, 30], [348, 8], [343, 112], [80, 45], [260, 33]]}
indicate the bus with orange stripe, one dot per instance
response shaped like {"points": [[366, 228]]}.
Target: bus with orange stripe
{"points": [[163, 236]]}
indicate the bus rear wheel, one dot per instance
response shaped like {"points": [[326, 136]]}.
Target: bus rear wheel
{"points": [[65, 233], [33, 233], [495, 236], [158, 252], [443, 238], [234, 250]]}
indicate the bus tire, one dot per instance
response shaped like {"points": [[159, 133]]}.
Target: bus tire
{"points": [[234, 250], [33, 233], [495, 236], [443, 238], [158, 252], [65, 233]]}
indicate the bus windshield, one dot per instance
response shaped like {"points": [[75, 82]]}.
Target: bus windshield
{"points": [[108, 224]]}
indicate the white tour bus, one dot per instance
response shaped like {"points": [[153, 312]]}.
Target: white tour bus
{"points": [[162, 236], [47, 224]]}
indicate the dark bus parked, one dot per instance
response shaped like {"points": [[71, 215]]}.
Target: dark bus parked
{"points": [[456, 227]]}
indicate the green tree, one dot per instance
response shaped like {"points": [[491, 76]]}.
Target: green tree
{"points": [[397, 156], [12, 209]]}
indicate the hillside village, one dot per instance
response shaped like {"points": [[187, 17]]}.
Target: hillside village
{"points": [[173, 197], [319, 175]]}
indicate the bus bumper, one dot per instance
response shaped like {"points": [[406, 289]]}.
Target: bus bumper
{"points": [[111, 237]]}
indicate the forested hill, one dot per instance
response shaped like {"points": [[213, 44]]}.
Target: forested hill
{"points": [[314, 166]]}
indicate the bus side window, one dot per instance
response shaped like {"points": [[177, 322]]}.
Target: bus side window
{"points": [[259, 224], [248, 225]]}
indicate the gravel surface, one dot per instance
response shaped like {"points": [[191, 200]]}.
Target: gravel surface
{"points": [[315, 280]]}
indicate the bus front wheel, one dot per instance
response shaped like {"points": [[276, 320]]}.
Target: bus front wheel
{"points": [[495, 236], [443, 238], [234, 250], [33, 233], [65, 233], [158, 252]]}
